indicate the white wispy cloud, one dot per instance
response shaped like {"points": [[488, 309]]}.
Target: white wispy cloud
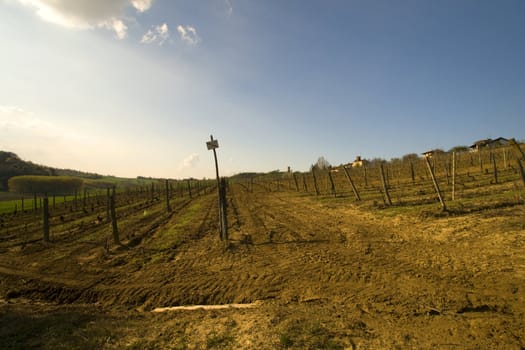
{"points": [[120, 28], [87, 14], [188, 34], [157, 34], [141, 5], [190, 161]]}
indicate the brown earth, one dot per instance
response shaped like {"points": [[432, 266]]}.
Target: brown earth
{"points": [[324, 274]]}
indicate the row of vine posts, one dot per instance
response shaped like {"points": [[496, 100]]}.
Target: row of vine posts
{"points": [[412, 180]]}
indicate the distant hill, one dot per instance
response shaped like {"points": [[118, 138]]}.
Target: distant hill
{"points": [[11, 165]]}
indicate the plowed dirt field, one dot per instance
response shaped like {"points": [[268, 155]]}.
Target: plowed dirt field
{"points": [[317, 273]]}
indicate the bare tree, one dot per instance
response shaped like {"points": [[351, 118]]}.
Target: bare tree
{"points": [[322, 163]]}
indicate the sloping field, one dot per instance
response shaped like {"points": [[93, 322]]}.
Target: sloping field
{"points": [[321, 274]]}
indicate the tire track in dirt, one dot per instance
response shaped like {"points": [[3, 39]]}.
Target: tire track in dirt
{"points": [[179, 280], [328, 254], [263, 269]]}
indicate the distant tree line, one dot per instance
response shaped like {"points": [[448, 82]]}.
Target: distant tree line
{"points": [[11, 165], [44, 184]]}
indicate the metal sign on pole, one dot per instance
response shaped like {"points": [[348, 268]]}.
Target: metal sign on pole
{"points": [[212, 145]]}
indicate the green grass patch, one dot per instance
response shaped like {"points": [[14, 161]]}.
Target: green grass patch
{"points": [[8, 206], [174, 233]]}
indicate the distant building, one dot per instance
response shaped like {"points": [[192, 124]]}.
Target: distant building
{"points": [[490, 143], [358, 162], [432, 153]]}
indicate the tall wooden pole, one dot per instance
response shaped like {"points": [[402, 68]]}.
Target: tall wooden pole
{"points": [[212, 145], [224, 221]]}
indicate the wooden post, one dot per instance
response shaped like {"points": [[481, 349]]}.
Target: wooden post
{"points": [[295, 180], [22, 203], [354, 189], [480, 161], [388, 174], [365, 176], [108, 203], [453, 176], [385, 187], [332, 184], [519, 152], [315, 182], [447, 171], [436, 186], [152, 191], [520, 156], [35, 203], [412, 173], [114, 227], [522, 172], [495, 170], [504, 158], [168, 208], [188, 182], [305, 186], [46, 218]]}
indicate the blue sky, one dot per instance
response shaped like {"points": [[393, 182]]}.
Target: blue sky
{"points": [[135, 87]]}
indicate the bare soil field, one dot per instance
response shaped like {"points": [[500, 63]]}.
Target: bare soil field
{"points": [[317, 273]]}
